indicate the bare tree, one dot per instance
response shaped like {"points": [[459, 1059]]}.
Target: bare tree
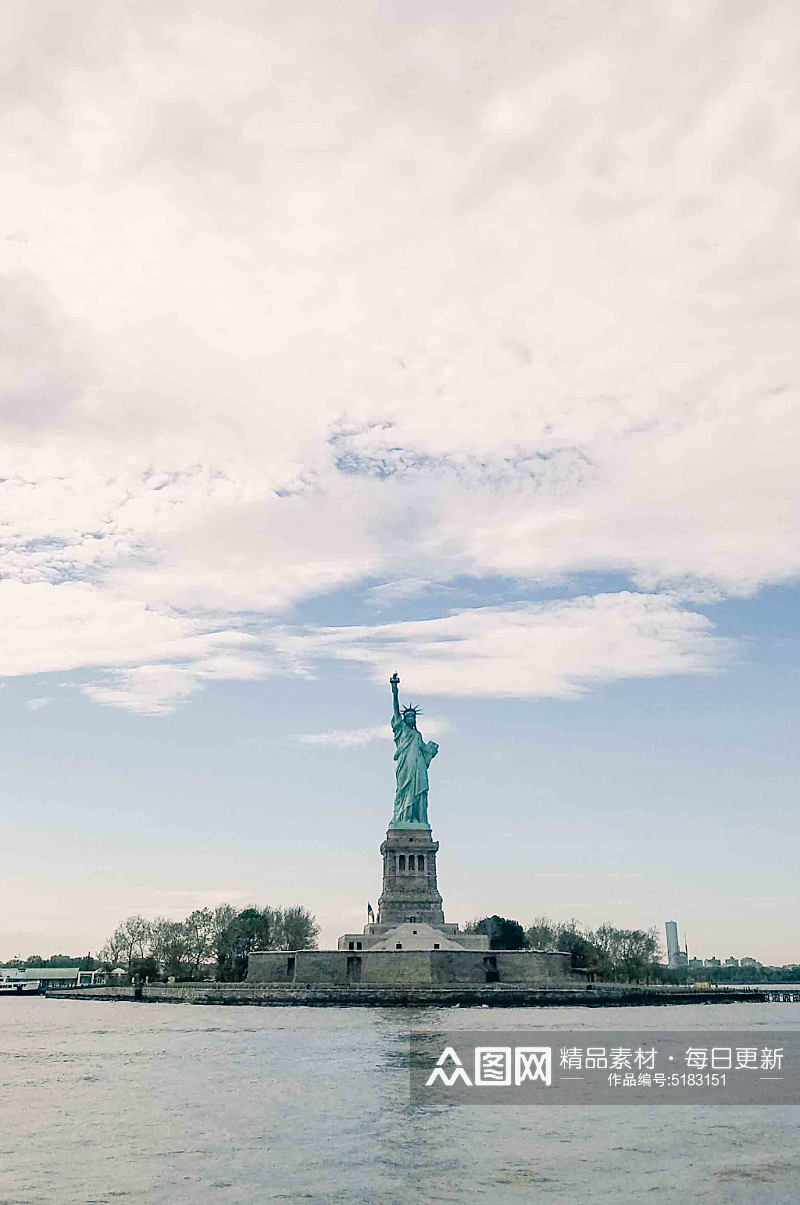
{"points": [[112, 952], [130, 942], [199, 932], [169, 945], [639, 952], [626, 954], [227, 935]]}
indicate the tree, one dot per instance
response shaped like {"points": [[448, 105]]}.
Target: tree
{"points": [[625, 954], [234, 942], [297, 929], [128, 943], [607, 942], [224, 918], [575, 941], [251, 929], [638, 952], [144, 968], [169, 945], [541, 933], [503, 934], [199, 934], [136, 932], [111, 953], [224, 935]]}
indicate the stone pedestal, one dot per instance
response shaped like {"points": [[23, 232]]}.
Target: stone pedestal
{"points": [[409, 891]]}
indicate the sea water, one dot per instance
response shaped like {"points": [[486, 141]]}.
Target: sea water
{"points": [[184, 1104]]}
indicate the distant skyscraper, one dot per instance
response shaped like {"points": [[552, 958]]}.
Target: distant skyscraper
{"points": [[676, 957]]}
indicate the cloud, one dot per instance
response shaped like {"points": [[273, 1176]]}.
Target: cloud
{"points": [[41, 360], [354, 737], [148, 689], [165, 656], [556, 650], [391, 593], [420, 296], [37, 704], [345, 738], [159, 689]]}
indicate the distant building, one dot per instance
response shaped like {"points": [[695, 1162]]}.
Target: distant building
{"points": [[731, 962], [676, 957], [749, 962], [712, 962], [694, 963], [56, 977]]}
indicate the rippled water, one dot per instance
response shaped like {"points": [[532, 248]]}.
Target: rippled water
{"points": [[118, 1102]]}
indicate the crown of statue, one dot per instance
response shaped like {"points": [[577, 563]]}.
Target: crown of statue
{"points": [[410, 709]]}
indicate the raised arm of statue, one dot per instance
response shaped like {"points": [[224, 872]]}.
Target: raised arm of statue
{"points": [[394, 682]]}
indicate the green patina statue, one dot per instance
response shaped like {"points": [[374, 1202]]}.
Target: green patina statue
{"points": [[413, 756]]}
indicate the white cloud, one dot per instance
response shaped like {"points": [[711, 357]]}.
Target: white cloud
{"points": [[148, 689], [297, 304], [557, 650], [165, 656], [37, 704], [345, 738], [158, 689]]}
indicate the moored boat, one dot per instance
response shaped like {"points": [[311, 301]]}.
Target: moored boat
{"points": [[18, 987]]}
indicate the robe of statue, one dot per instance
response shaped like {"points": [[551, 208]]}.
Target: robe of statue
{"points": [[413, 756]]}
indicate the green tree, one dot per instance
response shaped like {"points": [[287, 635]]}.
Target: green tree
{"points": [[503, 934], [251, 929], [575, 941], [145, 968]]}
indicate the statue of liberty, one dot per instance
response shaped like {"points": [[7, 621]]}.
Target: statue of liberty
{"points": [[413, 756]]}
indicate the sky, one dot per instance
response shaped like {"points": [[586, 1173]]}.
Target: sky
{"points": [[446, 338]]}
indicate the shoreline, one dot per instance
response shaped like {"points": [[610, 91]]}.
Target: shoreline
{"points": [[347, 996]]}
